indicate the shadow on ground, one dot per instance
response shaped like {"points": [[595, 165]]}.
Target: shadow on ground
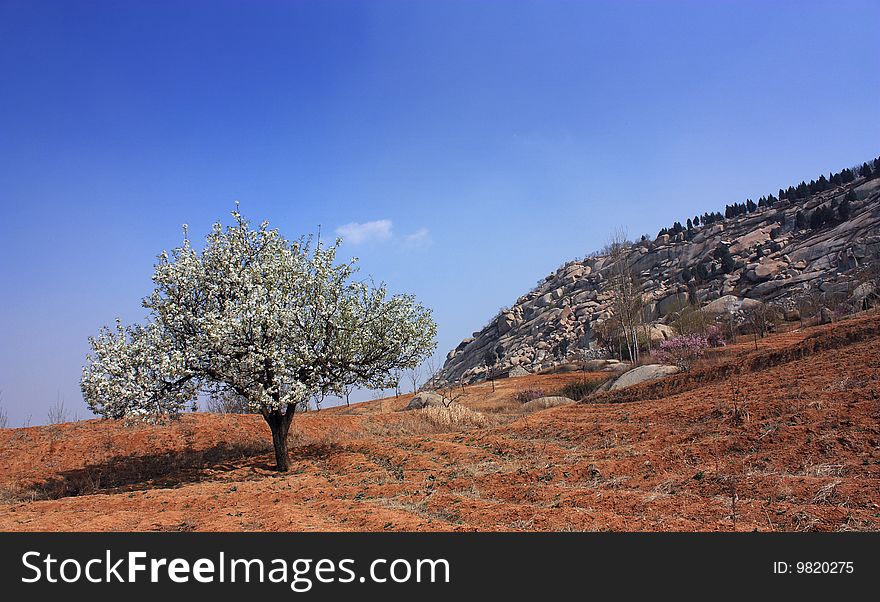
{"points": [[159, 470]]}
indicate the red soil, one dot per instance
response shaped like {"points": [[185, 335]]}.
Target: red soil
{"points": [[785, 438]]}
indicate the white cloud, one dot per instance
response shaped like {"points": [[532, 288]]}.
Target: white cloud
{"points": [[419, 238], [355, 233]]}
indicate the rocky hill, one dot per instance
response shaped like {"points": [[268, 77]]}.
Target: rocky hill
{"points": [[778, 254]]}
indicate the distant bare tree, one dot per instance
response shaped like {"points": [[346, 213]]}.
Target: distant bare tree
{"points": [[627, 303], [760, 319], [318, 397], [645, 318], [4, 417], [414, 375], [396, 377], [57, 413], [345, 392], [433, 373], [452, 392], [809, 304], [869, 274], [227, 402], [490, 358]]}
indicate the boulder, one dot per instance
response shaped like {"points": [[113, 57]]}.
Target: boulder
{"points": [[747, 241], [545, 300], [730, 304], [866, 289], [661, 332], [505, 323], [672, 303], [643, 374], [765, 271], [424, 400], [616, 366], [517, 371], [543, 403]]}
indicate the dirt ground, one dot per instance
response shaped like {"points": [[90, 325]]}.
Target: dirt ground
{"points": [[780, 439]]}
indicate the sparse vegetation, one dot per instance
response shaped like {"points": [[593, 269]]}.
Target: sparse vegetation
{"points": [[529, 394], [4, 417], [682, 351], [453, 415], [580, 389], [57, 413], [737, 460], [715, 336]]}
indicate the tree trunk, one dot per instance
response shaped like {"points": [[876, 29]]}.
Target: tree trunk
{"points": [[279, 442], [279, 424]]}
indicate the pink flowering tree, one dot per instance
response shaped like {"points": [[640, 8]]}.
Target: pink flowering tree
{"points": [[682, 351], [715, 336]]}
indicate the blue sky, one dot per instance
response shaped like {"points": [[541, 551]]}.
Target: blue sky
{"points": [[466, 148]]}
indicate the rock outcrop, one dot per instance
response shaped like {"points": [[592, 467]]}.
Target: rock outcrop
{"points": [[643, 374], [542, 403], [768, 255], [425, 399]]}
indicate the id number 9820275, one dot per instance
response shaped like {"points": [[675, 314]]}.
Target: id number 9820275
{"points": [[818, 567]]}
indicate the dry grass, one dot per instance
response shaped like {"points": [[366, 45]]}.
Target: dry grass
{"points": [[803, 458], [454, 415]]}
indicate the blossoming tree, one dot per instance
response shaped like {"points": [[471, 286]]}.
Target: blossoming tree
{"points": [[682, 351], [274, 321]]}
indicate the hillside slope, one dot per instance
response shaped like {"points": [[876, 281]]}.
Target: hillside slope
{"points": [[764, 255], [783, 438]]}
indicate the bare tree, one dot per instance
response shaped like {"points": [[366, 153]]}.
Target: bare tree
{"points": [[414, 377], [452, 392], [57, 413], [627, 303], [809, 304], [227, 401], [490, 358], [4, 417], [434, 373], [760, 319], [396, 377], [346, 389], [869, 276]]}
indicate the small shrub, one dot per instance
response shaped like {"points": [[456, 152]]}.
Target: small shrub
{"points": [[578, 389], [529, 394], [682, 351], [715, 336], [690, 320]]}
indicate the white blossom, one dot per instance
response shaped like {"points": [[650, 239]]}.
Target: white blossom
{"points": [[274, 321]]}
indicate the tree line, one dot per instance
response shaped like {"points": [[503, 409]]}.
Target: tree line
{"points": [[820, 217]]}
